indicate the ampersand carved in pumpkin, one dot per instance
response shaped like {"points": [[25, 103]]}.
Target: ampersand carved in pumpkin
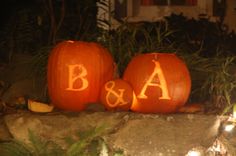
{"points": [[109, 86], [117, 94]]}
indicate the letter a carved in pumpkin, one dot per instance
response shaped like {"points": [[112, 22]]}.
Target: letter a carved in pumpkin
{"points": [[161, 82]]}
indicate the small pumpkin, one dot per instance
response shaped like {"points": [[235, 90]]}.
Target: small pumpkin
{"points": [[117, 95], [76, 72], [161, 82]]}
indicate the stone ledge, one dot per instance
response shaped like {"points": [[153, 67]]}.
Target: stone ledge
{"points": [[135, 134], [4, 132]]}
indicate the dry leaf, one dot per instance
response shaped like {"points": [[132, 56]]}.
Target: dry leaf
{"points": [[39, 107], [191, 108]]}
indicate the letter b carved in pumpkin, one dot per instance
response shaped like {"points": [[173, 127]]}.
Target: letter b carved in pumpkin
{"points": [[76, 72]]}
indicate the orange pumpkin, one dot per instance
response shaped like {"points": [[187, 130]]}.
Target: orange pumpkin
{"points": [[117, 95], [160, 81], [76, 72]]}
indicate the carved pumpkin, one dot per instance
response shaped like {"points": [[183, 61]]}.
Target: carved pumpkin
{"points": [[117, 95], [160, 81], [76, 72]]}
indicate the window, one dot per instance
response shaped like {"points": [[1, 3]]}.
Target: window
{"points": [[170, 2]]}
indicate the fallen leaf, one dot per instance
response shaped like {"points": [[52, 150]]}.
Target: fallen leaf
{"points": [[39, 107], [191, 108]]}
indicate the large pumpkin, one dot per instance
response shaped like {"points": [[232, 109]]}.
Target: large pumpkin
{"points": [[117, 95], [76, 72], [161, 82]]}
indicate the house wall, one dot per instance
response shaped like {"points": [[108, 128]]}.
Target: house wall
{"points": [[230, 18], [153, 13]]}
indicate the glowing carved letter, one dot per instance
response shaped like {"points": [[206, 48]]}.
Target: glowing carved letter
{"points": [[120, 100], [162, 83], [73, 76]]}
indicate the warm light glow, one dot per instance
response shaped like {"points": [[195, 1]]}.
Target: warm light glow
{"points": [[73, 76], [229, 128], [217, 148], [157, 71], [193, 153], [234, 111], [234, 115], [119, 96], [70, 41]]}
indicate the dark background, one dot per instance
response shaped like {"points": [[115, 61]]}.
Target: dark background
{"points": [[28, 26], [10, 7]]}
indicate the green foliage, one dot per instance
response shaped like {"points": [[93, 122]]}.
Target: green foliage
{"points": [[213, 79], [87, 139], [86, 143], [195, 33], [131, 39], [119, 153], [37, 147]]}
